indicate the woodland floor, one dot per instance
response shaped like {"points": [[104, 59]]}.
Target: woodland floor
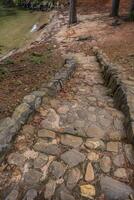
{"points": [[20, 72], [75, 146]]}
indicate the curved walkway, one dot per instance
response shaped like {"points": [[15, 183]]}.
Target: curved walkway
{"points": [[74, 147]]}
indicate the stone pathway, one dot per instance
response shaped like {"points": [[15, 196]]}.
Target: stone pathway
{"points": [[74, 148]]}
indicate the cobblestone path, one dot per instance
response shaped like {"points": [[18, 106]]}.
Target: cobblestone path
{"points": [[74, 147]]}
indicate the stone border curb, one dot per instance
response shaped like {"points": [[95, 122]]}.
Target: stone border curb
{"points": [[118, 90], [11, 125]]}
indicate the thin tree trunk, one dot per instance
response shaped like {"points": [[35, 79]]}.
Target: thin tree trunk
{"points": [[131, 12], [72, 12], [132, 6], [115, 8]]}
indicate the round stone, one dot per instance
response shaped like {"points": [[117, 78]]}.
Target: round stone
{"points": [[73, 157], [57, 169], [32, 177], [30, 195], [16, 159], [40, 161], [95, 132], [105, 164]]}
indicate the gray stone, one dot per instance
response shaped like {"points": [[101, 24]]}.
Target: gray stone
{"points": [[129, 153], [118, 124], [119, 160], [105, 164], [57, 169], [121, 173], [16, 159], [66, 196], [8, 128], [41, 145], [44, 133], [30, 195], [39, 93], [61, 188], [95, 144], [50, 189], [95, 132], [32, 100], [115, 190], [105, 121], [52, 120], [73, 157], [71, 141], [32, 177], [28, 131], [52, 149], [22, 113], [73, 177], [13, 195], [40, 161]]}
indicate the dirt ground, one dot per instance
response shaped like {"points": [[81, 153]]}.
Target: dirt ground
{"points": [[25, 72]]}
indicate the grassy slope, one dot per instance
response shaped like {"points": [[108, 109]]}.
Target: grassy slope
{"points": [[15, 27]]}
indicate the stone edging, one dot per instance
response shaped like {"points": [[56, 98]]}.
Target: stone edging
{"points": [[118, 90], [10, 126]]}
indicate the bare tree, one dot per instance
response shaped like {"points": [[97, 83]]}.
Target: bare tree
{"points": [[115, 8], [72, 11], [131, 13], [132, 6]]}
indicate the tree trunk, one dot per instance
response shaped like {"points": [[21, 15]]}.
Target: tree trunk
{"points": [[72, 12], [132, 6], [131, 13], [115, 8]]}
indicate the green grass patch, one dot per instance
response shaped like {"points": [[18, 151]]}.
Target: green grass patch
{"points": [[3, 72], [8, 61]]}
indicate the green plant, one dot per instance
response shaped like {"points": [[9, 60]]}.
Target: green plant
{"points": [[8, 61], [37, 59], [3, 72]]}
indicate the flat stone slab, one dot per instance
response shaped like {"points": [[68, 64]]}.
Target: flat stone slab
{"points": [[73, 177], [114, 189], [57, 169], [32, 177], [73, 157], [71, 141]]}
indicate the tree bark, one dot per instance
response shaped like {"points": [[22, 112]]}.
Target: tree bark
{"points": [[132, 6], [72, 12], [115, 8]]}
